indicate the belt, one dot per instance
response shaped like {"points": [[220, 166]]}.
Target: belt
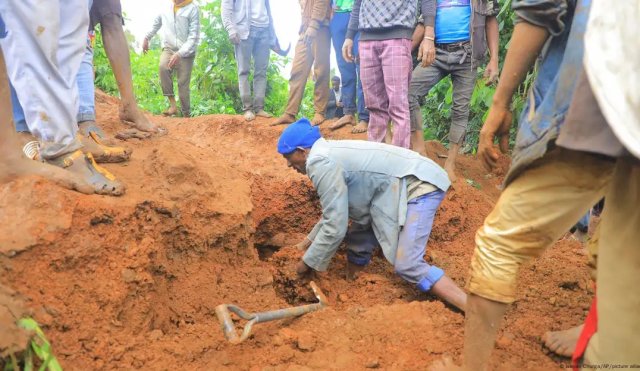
{"points": [[453, 46]]}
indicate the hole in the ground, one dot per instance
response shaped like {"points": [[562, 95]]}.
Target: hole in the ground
{"points": [[265, 252]]}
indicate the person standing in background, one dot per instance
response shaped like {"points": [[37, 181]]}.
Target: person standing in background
{"points": [[352, 95], [179, 43], [250, 28], [312, 50]]}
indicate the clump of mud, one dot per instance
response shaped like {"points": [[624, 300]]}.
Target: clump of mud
{"points": [[288, 284]]}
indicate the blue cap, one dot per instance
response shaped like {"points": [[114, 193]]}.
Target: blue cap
{"points": [[300, 134]]}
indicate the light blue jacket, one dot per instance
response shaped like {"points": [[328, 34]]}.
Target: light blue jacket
{"points": [[363, 181], [181, 30], [552, 92]]}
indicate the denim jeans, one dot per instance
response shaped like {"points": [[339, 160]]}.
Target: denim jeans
{"points": [[412, 243], [257, 45], [86, 88], [456, 63], [349, 72]]}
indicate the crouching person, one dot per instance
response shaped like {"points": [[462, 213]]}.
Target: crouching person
{"points": [[390, 194]]}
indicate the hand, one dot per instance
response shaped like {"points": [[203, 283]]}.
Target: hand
{"points": [[234, 38], [310, 35], [175, 59], [427, 52], [145, 46], [302, 268], [347, 50], [497, 124], [491, 72]]}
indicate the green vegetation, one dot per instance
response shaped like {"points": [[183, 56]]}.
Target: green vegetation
{"points": [[38, 353], [215, 83]]}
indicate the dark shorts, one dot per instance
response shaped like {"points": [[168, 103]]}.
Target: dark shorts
{"points": [[103, 8]]}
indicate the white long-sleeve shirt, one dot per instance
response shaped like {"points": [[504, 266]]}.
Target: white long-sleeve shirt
{"points": [[180, 30]]}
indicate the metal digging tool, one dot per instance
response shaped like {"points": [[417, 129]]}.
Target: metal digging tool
{"points": [[223, 312]]}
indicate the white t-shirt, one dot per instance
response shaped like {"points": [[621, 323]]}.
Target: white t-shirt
{"points": [[259, 15], [612, 63]]}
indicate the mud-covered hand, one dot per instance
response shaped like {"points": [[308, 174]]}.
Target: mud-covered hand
{"points": [[234, 38], [347, 50], [497, 124], [427, 52], [145, 46], [491, 72], [310, 35], [303, 269], [174, 61]]}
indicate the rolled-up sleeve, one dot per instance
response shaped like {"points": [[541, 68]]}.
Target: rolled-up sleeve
{"points": [[549, 14], [189, 47], [328, 179]]}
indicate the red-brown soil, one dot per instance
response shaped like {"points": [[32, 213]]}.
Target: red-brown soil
{"points": [[132, 282]]}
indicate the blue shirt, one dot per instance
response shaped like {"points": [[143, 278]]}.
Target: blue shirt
{"points": [[363, 182], [453, 19]]}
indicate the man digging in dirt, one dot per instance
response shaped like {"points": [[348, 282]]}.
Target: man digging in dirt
{"points": [[43, 64], [586, 150], [390, 195]]}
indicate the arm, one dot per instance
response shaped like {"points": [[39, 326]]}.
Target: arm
{"points": [[328, 179], [427, 51], [416, 39], [189, 47], [493, 39], [227, 16], [354, 20], [157, 23]]}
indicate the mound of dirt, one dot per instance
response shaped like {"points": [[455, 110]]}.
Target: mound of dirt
{"points": [[210, 217]]}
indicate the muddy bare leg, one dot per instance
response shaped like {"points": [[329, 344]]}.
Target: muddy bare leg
{"points": [[483, 319], [450, 163], [117, 50]]}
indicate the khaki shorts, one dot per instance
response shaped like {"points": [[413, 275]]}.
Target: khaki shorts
{"points": [[533, 212]]}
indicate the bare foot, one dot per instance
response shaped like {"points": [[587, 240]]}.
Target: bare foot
{"points": [[83, 165], [563, 342], [445, 364], [361, 127], [102, 152], [285, 119], [249, 115], [15, 166], [317, 119], [344, 120], [132, 133], [132, 116], [263, 113], [171, 111]]}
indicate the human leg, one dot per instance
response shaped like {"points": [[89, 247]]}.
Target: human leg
{"points": [[375, 94], [166, 81], [533, 212], [396, 70], [463, 78], [363, 113], [361, 242], [302, 62], [184, 84], [338, 27], [412, 245], [618, 266], [322, 71], [261, 53], [422, 80], [109, 15], [243, 60]]}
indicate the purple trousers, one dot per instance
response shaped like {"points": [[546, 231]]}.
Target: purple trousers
{"points": [[385, 69]]}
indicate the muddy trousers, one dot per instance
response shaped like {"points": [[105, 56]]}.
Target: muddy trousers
{"points": [[306, 56], [183, 72], [412, 243], [43, 63]]}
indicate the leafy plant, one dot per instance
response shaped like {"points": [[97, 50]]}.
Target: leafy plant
{"points": [[38, 346]]}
